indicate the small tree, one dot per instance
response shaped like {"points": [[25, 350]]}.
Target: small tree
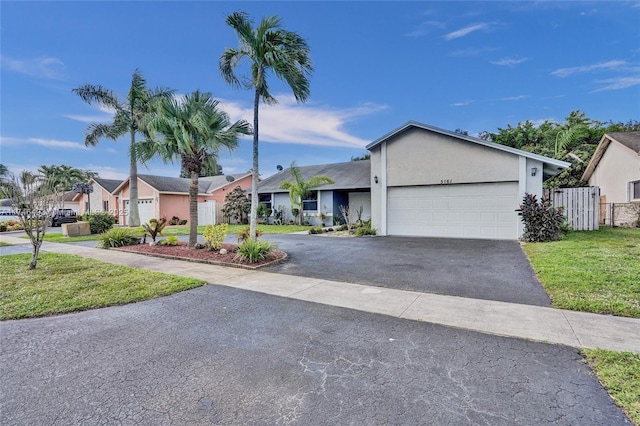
{"points": [[34, 199], [299, 188], [236, 205]]}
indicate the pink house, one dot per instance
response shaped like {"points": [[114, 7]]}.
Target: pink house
{"points": [[162, 196], [101, 199]]}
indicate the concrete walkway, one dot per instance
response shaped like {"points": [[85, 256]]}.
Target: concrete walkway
{"points": [[576, 329]]}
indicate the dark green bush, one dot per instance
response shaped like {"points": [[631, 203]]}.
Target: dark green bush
{"points": [[316, 230], [3, 227], [99, 222], [363, 230], [174, 220], [542, 221], [118, 237], [183, 222]]}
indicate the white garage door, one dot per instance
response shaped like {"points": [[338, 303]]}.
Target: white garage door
{"points": [[146, 210], [485, 210]]}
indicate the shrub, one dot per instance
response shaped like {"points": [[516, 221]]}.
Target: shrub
{"points": [[214, 235], [183, 222], [154, 227], [363, 230], [3, 226], [253, 251], [244, 234], [316, 230], [170, 241], [542, 222], [236, 206], [174, 220], [118, 237], [99, 222]]}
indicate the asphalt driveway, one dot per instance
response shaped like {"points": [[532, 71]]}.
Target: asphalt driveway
{"points": [[480, 269], [217, 355]]}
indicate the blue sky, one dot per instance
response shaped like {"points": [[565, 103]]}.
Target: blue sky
{"points": [[470, 65]]}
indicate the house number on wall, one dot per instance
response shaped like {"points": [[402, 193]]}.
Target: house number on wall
{"points": [[446, 181]]}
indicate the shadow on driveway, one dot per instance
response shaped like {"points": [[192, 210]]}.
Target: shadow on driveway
{"points": [[480, 269]]}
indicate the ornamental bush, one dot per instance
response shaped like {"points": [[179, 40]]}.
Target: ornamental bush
{"points": [[118, 237], [253, 251], [214, 235], [542, 221], [99, 222]]}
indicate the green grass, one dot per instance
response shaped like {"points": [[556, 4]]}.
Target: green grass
{"points": [[591, 271], [3, 244], [59, 238], [65, 283], [619, 372]]}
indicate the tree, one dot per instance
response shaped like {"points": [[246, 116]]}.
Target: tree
{"points": [[268, 48], [211, 169], [34, 198], [129, 114], [366, 156], [65, 176], [236, 205], [299, 188], [192, 129]]}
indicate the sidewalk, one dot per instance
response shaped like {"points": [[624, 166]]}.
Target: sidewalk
{"points": [[576, 329]]}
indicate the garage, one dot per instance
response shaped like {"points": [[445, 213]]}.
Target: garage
{"points": [[482, 210], [146, 210]]}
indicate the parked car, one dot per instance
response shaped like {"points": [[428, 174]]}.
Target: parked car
{"points": [[63, 216]]}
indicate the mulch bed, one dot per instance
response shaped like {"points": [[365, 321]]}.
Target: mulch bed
{"points": [[182, 252]]}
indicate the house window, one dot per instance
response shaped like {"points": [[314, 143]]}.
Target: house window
{"points": [[310, 202], [635, 190], [105, 206], [265, 199]]}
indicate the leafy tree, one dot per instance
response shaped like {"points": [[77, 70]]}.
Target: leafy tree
{"points": [[65, 176], [363, 157], [192, 129], [34, 198], [299, 188], [268, 48], [129, 114], [236, 205]]}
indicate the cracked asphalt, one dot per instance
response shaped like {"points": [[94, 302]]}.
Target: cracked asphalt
{"points": [[217, 355]]}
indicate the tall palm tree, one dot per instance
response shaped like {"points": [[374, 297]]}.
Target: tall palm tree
{"points": [[63, 176], [192, 129], [128, 117], [268, 48], [299, 188]]}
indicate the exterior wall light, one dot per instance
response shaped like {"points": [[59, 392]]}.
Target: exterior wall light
{"points": [[534, 170], [375, 178]]}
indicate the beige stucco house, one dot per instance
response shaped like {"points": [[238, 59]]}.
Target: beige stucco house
{"points": [[427, 181], [615, 168]]}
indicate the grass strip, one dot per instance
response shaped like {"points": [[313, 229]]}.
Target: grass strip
{"points": [[619, 372], [65, 283]]}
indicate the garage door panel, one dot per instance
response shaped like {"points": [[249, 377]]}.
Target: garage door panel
{"points": [[463, 211]]}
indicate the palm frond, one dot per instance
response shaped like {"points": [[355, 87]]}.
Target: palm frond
{"points": [[96, 94]]}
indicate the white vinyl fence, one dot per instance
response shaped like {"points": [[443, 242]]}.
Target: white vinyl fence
{"points": [[207, 213], [581, 206]]}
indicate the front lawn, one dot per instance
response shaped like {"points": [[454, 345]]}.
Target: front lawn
{"points": [[65, 283], [591, 271], [3, 244], [619, 372]]}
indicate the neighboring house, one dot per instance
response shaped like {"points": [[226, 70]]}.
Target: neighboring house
{"points": [[69, 201], [426, 181], [162, 196], [102, 198], [352, 187], [615, 168]]}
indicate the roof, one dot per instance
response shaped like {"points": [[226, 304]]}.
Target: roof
{"points": [[551, 166], [109, 184], [630, 140], [349, 175], [68, 196], [168, 184]]}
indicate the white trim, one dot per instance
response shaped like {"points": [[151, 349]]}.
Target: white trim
{"points": [[522, 189], [383, 189]]}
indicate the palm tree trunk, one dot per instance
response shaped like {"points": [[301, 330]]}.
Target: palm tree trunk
{"points": [[193, 210], [255, 174], [134, 216]]}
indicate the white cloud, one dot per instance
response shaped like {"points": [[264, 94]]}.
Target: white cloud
{"points": [[613, 65], [47, 143], [424, 28], [463, 103], [465, 31], [107, 172], [105, 117], [514, 98], [304, 124], [472, 101], [617, 83], [509, 61], [42, 67]]}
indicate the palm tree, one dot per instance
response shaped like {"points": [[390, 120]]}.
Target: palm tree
{"points": [[128, 117], [267, 48], [193, 129], [299, 188], [64, 176]]}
